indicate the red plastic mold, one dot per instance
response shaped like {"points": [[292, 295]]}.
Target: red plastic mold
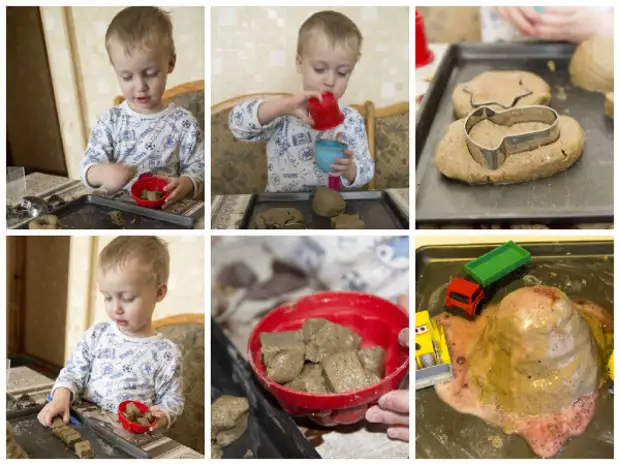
{"points": [[423, 54], [150, 183], [130, 425], [325, 113], [376, 320]]}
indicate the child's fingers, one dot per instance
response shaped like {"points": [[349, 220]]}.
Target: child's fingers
{"points": [[172, 183], [401, 433], [311, 93], [65, 417], [403, 301]]}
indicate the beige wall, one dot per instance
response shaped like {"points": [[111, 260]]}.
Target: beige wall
{"points": [[186, 292], [253, 50], [84, 81]]}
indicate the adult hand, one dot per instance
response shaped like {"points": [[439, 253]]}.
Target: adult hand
{"points": [[573, 24], [179, 188], [393, 408], [522, 18]]}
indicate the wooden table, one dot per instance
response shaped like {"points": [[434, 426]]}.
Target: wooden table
{"points": [[227, 211], [44, 185], [23, 380]]}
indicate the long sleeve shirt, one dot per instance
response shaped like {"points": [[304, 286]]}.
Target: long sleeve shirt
{"points": [[168, 143], [290, 147], [108, 367]]}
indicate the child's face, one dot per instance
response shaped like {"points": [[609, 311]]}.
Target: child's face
{"points": [[142, 75], [130, 295], [325, 66]]}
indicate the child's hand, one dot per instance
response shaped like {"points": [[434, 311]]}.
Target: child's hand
{"points": [[522, 18], [573, 24], [162, 418], [393, 408], [110, 176], [59, 406], [180, 188], [297, 105], [344, 166]]}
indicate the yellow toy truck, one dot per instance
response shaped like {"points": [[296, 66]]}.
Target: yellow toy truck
{"points": [[433, 364]]}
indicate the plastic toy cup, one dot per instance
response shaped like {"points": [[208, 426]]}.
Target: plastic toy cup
{"points": [[423, 54], [325, 152], [325, 113], [130, 425], [149, 183], [376, 320]]}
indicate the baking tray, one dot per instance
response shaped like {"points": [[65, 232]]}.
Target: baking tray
{"points": [[375, 208], [583, 193], [92, 212], [581, 269], [271, 433], [40, 443]]}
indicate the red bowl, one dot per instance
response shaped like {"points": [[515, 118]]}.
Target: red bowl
{"points": [[130, 425], [151, 183], [376, 320], [325, 113]]}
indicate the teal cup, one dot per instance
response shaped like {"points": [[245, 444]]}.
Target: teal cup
{"points": [[325, 152]]}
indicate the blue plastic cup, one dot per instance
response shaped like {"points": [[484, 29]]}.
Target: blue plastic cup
{"points": [[325, 152]]}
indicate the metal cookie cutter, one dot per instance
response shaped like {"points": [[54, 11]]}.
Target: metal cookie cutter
{"points": [[525, 93], [522, 142]]}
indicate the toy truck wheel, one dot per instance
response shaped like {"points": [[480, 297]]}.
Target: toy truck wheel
{"points": [[427, 360]]}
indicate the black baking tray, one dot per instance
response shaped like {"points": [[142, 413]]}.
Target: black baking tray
{"points": [[581, 269], [92, 212], [40, 443], [375, 208], [271, 433], [583, 193]]}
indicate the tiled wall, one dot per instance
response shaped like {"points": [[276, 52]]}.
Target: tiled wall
{"points": [[84, 81], [253, 50], [85, 305]]}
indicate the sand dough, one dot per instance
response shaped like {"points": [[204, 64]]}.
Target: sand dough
{"points": [[345, 221], [373, 359], [592, 65], [328, 202], [229, 420], [84, 450], [45, 222], [344, 372], [151, 195], [500, 86], [531, 365], [453, 159], [216, 451], [324, 338], [309, 380], [277, 217], [283, 355], [329, 366], [117, 218], [13, 449], [609, 104], [133, 414], [57, 423]]}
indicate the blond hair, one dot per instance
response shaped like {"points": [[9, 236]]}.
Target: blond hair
{"points": [[141, 26], [150, 251], [338, 28]]}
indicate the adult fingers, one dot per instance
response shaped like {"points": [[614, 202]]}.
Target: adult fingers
{"points": [[396, 401], [403, 301], [403, 337], [562, 10], [520, 21], [401, 433], [546, 32], [376, 415], [530, 14]]}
